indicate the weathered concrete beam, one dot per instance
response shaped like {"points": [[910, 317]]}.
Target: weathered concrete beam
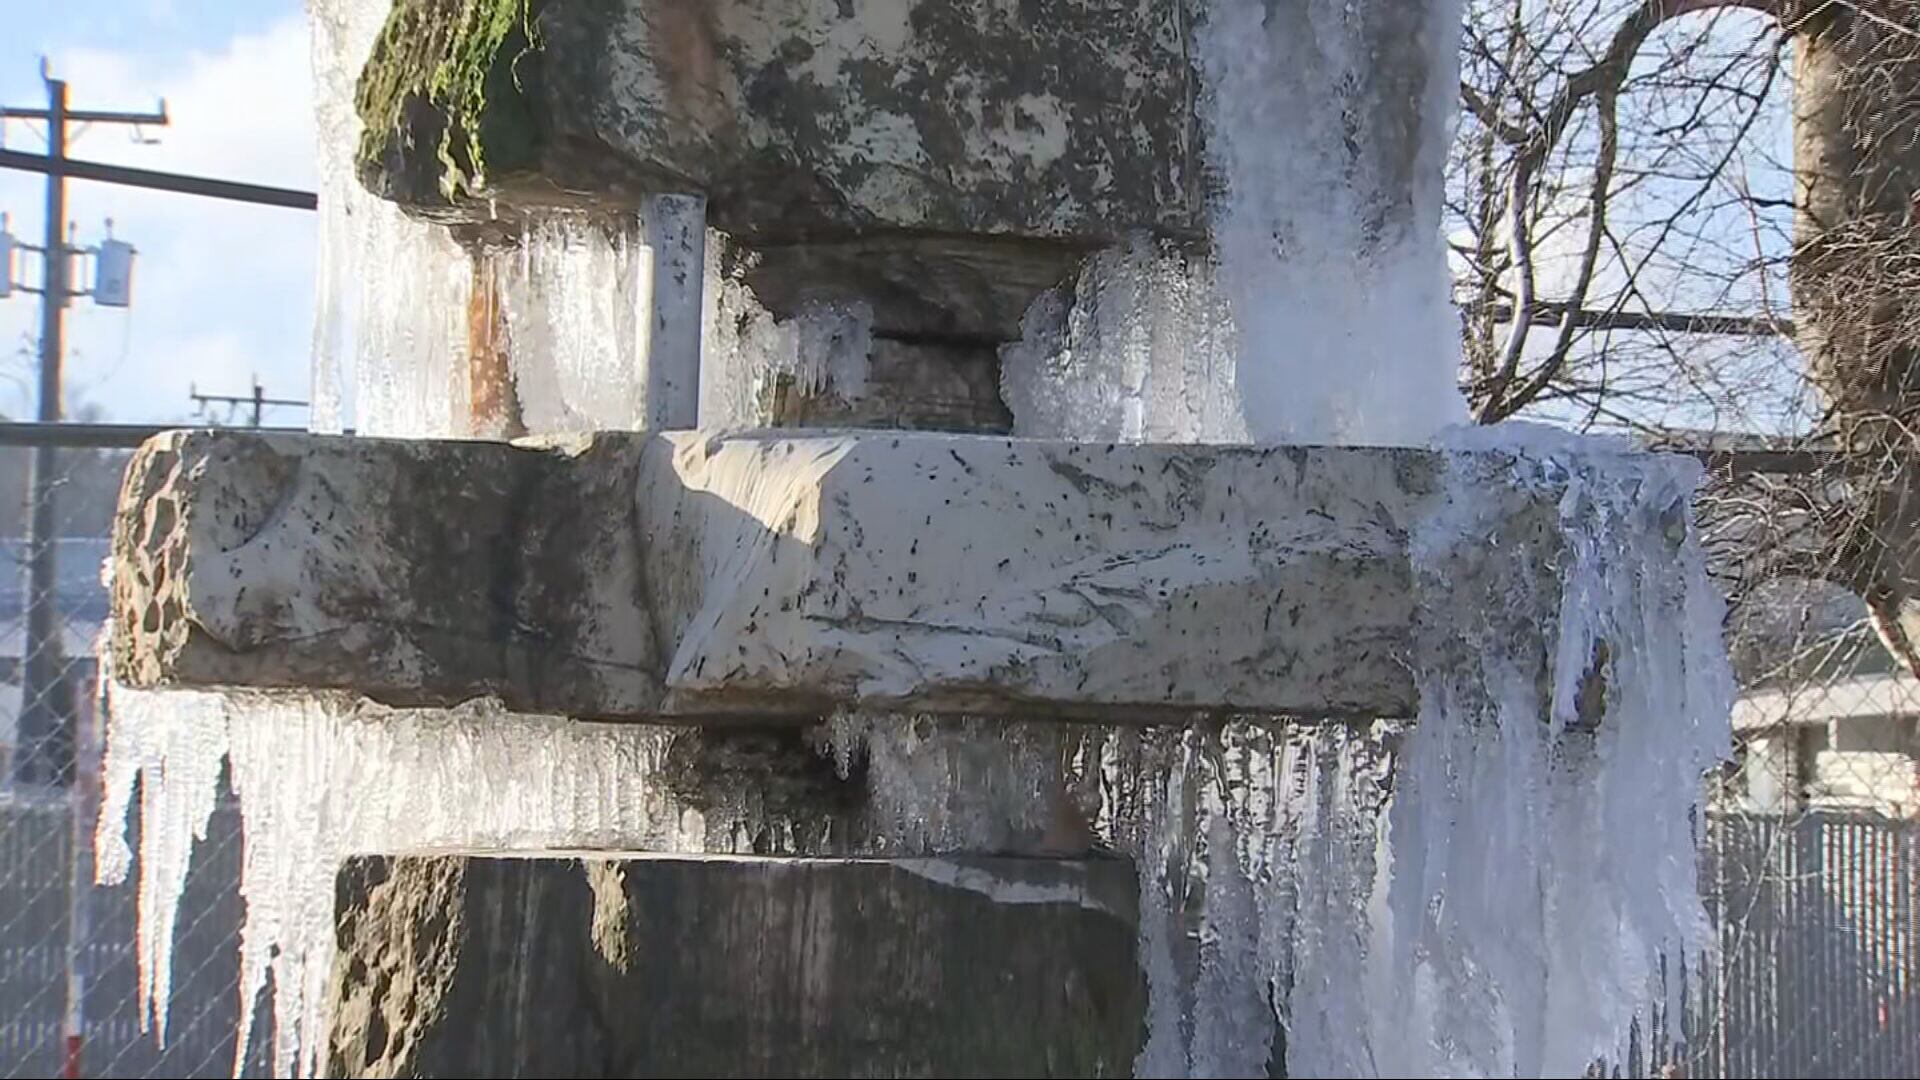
{"points": [[943, 161], [1072, 120], [693, 576], [419, 573], [616, 966]]}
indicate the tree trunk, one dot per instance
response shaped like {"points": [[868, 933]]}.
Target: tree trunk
{"points": [[1856, 96]]}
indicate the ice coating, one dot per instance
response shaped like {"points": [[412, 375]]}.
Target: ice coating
{"points": [[1481, 893], [746, 352], [391, 328], [390, 317], [576, 294], [940, 787], [1139, 349], [1326, 316], [1328, 242], [1276, 894], [1583, 786], [1487, 891], [548, 783], [320, 777]]}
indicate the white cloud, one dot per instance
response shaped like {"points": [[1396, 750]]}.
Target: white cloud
{"points": [[222, 290]]}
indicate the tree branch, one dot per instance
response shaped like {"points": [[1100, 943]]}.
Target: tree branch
{"points": [[1609, 100], [1602, 82], [1520, 238]]}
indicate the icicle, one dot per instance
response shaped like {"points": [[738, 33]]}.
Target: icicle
{"points": [[173, 743], [323, 777], [578, 293], [1540, 833], [746, 353], [944, 786], [1233, 1017]]}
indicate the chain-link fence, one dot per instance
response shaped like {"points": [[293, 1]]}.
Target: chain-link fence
{"points": [[1810, 860], [1810, 865], [68, 1000]]}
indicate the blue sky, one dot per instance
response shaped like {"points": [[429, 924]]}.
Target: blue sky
{"points": [[222, 291]]}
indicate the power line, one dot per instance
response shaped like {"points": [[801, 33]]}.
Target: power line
{"points": [[258, 399], [205, 187], [45, 711], [99, 436]]}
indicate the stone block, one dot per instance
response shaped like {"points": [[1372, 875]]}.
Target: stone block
{"points": [[715, 578], [1071, 119], [611, 965]]}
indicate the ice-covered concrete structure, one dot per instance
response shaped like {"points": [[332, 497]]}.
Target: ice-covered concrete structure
{"points": [[830, 749]]}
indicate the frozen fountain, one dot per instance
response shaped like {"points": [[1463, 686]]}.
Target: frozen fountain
{"points": [[984, 578]]}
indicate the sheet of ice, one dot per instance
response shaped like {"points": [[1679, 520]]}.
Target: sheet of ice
{"points": [[1139, 349], [323, 777], [390, 339], [390, 323], [1325, 317], [1541, 834], [1328, 235], [1500, 919], [953, 786], [1488, 891], [577, 295], [1256, 846]]}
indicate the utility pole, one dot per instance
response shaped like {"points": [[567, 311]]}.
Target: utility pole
{"points": [[48, 702], [258, 400]]}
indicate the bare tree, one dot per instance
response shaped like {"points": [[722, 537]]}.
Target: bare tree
{"points": [[1701, 214]]}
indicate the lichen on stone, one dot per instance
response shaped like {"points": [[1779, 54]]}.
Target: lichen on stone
{"points": [[444, 98], [612, 928]]}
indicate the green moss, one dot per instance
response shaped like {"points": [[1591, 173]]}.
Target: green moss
{"points": [[443, 98]]}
